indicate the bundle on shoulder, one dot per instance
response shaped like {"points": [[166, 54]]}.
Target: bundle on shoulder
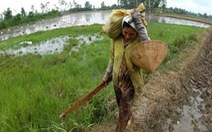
{"points": [[113, 28]]}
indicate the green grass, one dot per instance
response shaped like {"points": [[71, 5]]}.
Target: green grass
{"points": [[36, 89]]}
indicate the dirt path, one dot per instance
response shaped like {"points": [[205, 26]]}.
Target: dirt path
{"points": [[179, 99]]}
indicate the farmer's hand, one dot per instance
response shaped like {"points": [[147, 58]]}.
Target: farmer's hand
{"points": [[107, 79], [136, 15], [108, 74], [142, 32]]}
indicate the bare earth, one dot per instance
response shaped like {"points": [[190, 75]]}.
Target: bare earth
{"points": [[178, 99]]}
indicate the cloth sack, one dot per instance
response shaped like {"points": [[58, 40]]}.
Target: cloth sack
{"points": [[113, 25]]}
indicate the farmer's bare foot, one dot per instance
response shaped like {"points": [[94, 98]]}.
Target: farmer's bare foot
{"points": [[129, 122]]}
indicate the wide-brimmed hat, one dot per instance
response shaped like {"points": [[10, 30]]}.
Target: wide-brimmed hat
{"points": [[149, 54]]}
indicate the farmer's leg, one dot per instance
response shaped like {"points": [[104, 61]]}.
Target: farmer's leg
{"points": [[118, 94], [126, 102]]}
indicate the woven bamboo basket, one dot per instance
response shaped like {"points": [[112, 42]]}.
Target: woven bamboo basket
{"points": [[149, 54]]}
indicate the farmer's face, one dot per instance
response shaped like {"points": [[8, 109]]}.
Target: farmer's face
{"points": [[129, 34]]}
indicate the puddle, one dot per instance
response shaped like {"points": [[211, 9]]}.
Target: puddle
{"points": [[190, 118], [51, 46], [85, 39]]}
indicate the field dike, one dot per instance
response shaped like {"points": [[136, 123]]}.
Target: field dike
{"points": [[178, 98]]}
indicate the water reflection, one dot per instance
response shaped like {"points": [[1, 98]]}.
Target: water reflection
{"points": [[81, 18], [181, 22], [51, 46], [54, 45]]}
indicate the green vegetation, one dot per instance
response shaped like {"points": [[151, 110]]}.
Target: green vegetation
{"points": [[36, 89]]}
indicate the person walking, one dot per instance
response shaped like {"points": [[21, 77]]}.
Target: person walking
{"points": [[127, 78]]}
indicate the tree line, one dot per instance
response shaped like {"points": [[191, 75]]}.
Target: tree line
{"points": [[7, 19]]}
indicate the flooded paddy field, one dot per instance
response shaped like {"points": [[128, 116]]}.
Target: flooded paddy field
{"points": [[175, 102], [55, 45], [83, 18]]}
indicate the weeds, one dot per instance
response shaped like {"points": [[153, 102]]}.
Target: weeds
{"points": [[36, 89]]}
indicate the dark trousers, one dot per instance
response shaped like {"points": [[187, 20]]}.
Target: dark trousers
{"points": [[124, 100]]}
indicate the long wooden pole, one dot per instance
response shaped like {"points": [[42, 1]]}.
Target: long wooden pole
{"points": [[83, 100]]}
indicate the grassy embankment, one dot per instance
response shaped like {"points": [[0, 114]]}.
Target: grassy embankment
{"points": [[36, 89], [187, 17]]}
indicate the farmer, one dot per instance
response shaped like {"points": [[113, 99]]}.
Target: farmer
{"points": [[127, 78]]}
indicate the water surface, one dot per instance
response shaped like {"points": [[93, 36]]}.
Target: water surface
{"points": [[82, 18]]}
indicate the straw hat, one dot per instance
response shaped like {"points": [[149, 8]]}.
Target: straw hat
{"points": [[149, 54]]}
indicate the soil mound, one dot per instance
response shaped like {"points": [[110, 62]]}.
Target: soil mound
{"points": [[178, 99]]}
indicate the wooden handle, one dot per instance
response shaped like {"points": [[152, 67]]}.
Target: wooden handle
{"points": [[83, 100]]}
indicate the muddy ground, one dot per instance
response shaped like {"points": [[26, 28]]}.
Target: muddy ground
{"points": [[179, 99]]}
